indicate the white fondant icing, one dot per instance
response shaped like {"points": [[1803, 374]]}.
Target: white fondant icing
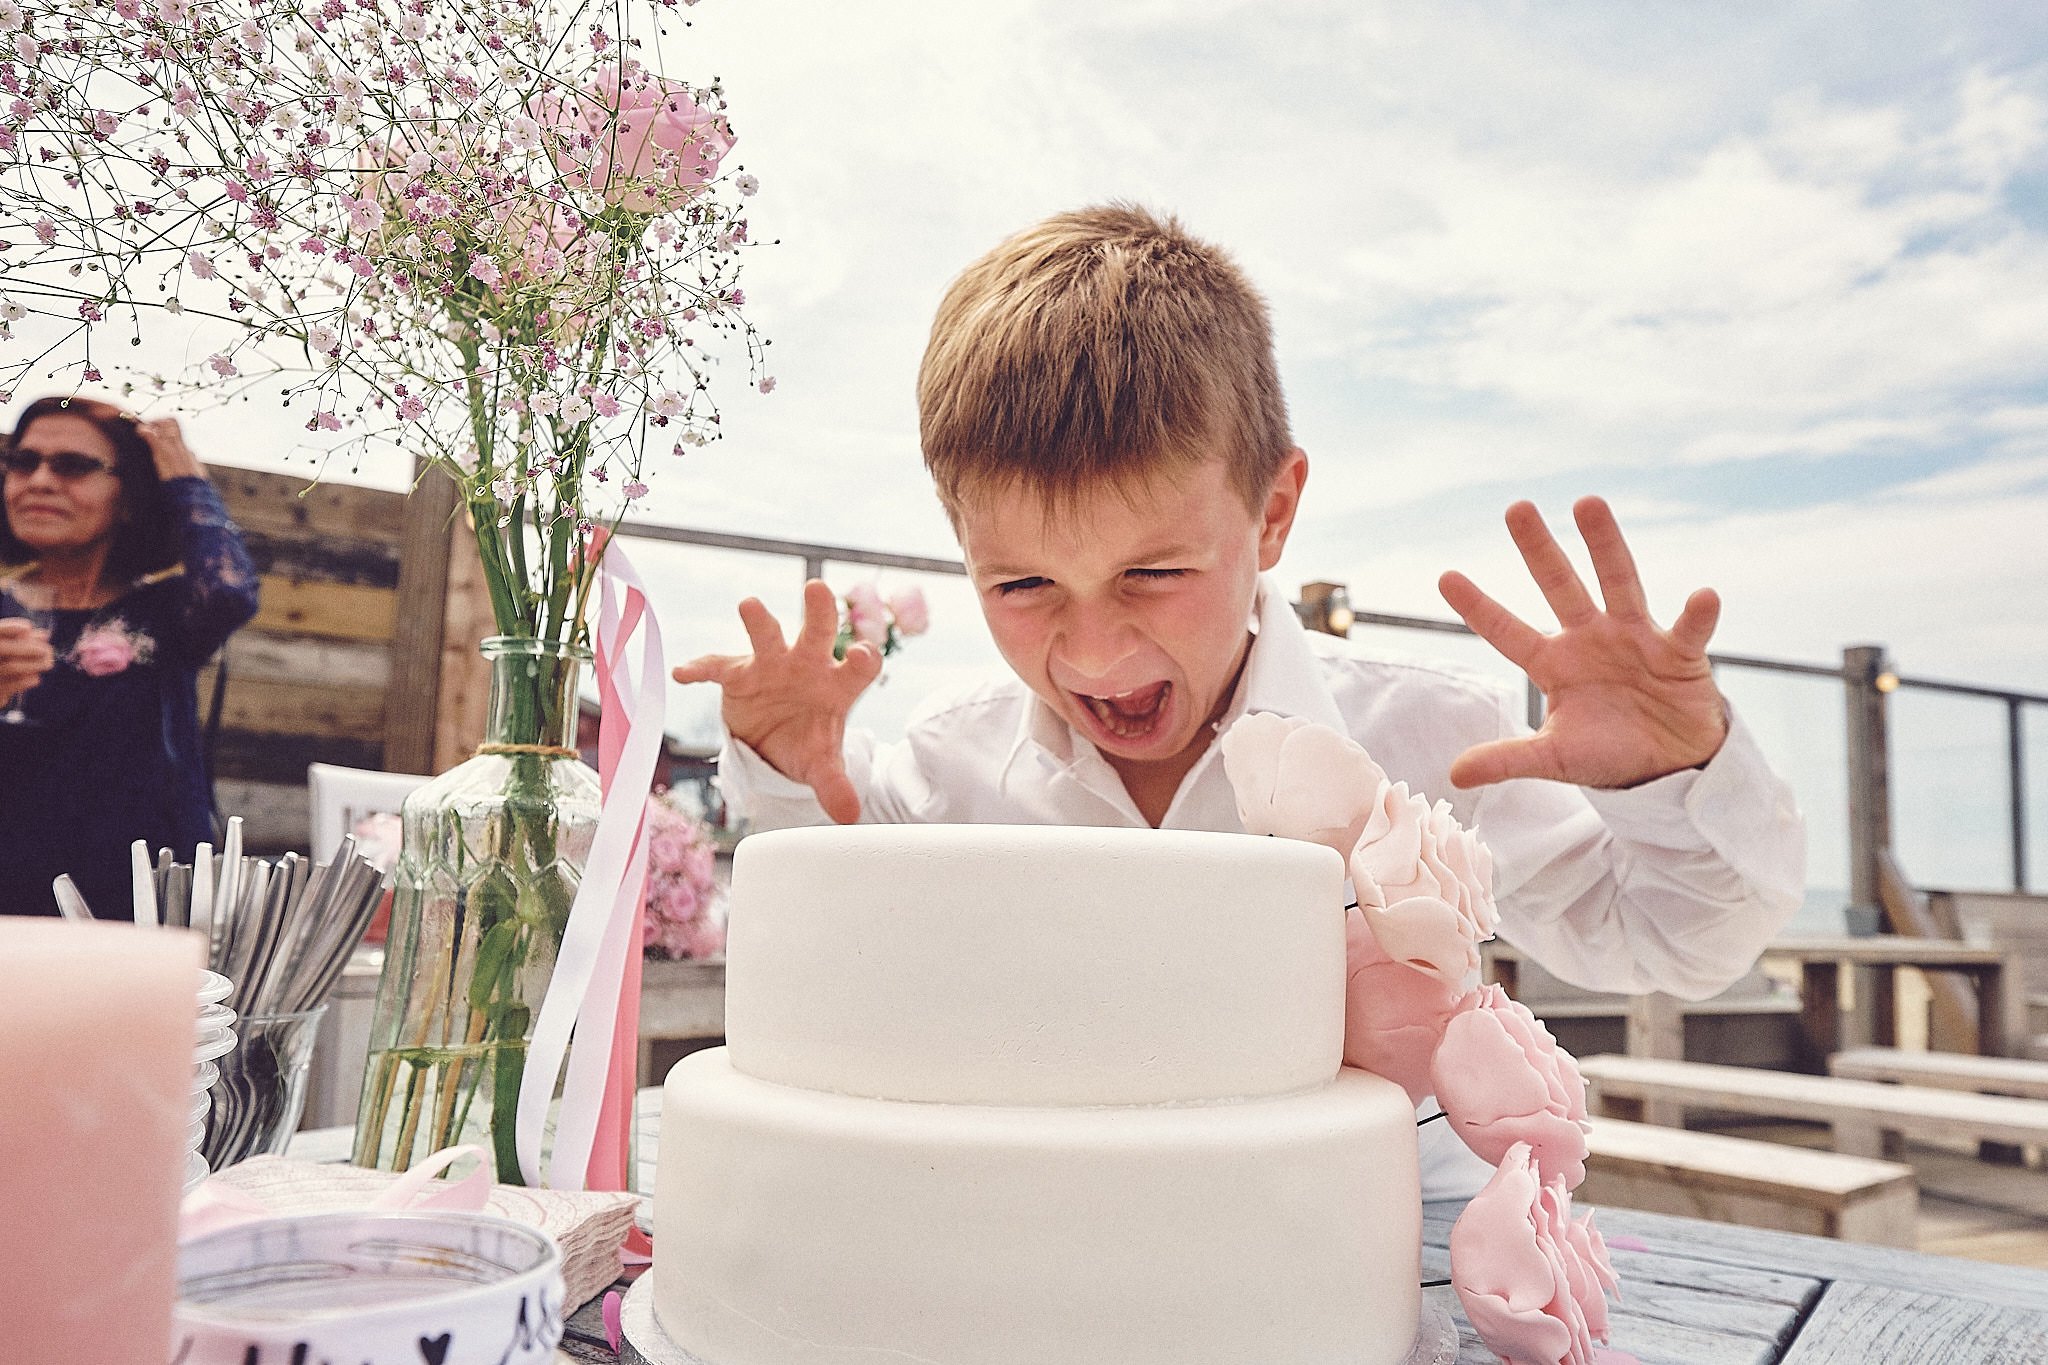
{"points": [[1029, 965], [796, 1227]]}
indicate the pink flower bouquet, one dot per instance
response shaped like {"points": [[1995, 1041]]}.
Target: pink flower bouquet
{"points": [[885, 623], [682, 911]]}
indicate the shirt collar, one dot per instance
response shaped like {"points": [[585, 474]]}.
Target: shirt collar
{"points": [[1282, 675]]}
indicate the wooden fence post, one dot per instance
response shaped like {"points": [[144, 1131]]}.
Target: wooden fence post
{"points": [[416, 641], [1870, 807]]}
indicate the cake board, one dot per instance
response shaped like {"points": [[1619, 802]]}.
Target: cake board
{"points": [[645, 1343]]}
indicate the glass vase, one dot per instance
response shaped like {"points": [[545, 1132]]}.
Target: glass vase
{"points": [[492, 853]]}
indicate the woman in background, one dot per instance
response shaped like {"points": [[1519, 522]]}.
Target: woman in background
{"points": [[125, 576]]}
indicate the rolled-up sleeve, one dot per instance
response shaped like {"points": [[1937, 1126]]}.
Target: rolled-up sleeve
{"points": [[1676, 885]]}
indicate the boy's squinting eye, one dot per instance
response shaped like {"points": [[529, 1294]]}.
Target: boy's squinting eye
{"points": [[1156, 574], [1019, 585]]}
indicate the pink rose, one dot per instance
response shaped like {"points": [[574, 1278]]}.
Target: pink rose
{"points": [[1531, 1279], [641, 141], [681, 883], [1299, 780], [379, 837], [1426, 884], [109, 649], [907, 605], [866, 615], [1394, 1016], [1504, 1083]]}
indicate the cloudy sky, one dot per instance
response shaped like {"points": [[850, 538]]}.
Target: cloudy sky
{"points": [[1771, 276]]}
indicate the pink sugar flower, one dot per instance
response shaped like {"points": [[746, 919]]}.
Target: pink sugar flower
{"points": [[1426, 884], [1394, 1016], [1300, 780], [1533, 1281], [1504, 1083]]}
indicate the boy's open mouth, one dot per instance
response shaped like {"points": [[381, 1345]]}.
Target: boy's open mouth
{"points": [[1132, 714]]}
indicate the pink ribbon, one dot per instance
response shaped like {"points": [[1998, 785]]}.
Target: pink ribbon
{"points": [[216, 1204], [594, 994]]}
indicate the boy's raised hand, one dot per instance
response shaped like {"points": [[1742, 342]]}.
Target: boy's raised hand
{"points": [[789, 702], [1625, 700]]}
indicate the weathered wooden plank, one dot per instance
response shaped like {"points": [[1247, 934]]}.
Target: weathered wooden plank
{"points": [[309, 707], [1857, 1109], [1662, 1321], [274, 814], [329, 559], [254, 654], [1790, 1253], [1944, 1070], [416, 640], [1762, 1184], [336, 611], [283, 758], [292, 504], [1665, 1264], [464, 703], [1855, 1324]]}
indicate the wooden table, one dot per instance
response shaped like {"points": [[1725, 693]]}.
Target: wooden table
{"points": [[1822, 961], [1717, 1294], [1699, 1293]]}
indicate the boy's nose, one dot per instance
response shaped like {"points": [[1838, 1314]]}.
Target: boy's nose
{"points": [[1093, 642]]}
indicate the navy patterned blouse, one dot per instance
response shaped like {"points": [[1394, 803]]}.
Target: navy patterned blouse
{"points": [[114, 752]]}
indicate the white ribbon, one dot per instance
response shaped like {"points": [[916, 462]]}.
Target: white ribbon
{"points": [[583, 996]]}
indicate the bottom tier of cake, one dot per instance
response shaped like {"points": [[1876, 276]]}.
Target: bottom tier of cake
{"points": [[795, 1227]]}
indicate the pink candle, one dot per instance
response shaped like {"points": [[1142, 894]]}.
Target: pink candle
{"points": [[96, 1032]]}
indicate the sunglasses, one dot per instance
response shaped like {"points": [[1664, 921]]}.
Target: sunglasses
{"points": [[67, 465]]}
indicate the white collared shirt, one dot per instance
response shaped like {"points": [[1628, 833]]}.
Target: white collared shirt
{"points": [[1675, 885]]}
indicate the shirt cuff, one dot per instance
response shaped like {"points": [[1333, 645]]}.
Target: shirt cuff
{"points": [[1733, 800], [759, 793]]}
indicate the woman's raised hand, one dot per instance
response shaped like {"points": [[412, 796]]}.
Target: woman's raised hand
{"points": [[789, 701], [166, 442], [1625, 700]]}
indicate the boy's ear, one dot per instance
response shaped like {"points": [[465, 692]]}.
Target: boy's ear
{"points": [[1283, 500]]}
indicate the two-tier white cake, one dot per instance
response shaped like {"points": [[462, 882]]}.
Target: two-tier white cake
{"points": [[1002, 1095]]}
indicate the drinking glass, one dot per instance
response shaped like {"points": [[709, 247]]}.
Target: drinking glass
{"points": [[262, 1087], [31, 602]]}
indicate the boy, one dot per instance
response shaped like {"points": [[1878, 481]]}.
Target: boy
{"points": [[1101, 415]]}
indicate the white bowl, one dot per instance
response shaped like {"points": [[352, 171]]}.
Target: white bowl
{"points": [[213, 986], [373, 1287]]}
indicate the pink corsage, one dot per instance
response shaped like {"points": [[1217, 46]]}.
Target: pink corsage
{"points": [[109, 647]]}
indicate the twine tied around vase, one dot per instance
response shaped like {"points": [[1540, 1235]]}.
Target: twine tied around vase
{"points": [[548, 750]]}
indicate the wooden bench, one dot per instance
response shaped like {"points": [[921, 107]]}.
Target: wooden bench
{"points": [[1756, 1184], [1861, 1113], [1944, 1071]]}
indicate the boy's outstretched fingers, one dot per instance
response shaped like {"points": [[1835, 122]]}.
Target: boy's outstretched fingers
{"points": [[1624, 700], [788, 699]]}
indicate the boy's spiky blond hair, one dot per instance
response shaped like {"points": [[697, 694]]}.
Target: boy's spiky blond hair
{"points": [[1095, 349]]}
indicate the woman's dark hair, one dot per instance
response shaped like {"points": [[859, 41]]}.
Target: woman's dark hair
{"points": [[143, 539]]}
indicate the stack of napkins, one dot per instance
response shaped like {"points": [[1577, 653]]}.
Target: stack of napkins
{"points": [[589, 1226]]}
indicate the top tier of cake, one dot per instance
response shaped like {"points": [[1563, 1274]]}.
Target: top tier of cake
{"points": [[1035, 965]]}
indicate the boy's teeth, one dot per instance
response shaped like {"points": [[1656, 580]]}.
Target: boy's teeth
{"points": [[1129, 714]]}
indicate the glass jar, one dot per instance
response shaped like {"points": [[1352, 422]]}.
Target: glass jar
{"points": [[491, 857]]}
